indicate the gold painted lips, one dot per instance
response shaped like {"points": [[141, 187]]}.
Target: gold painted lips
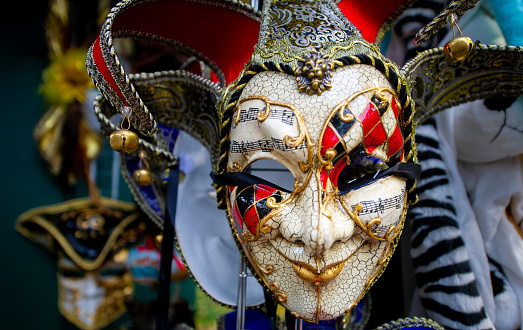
{"points": [[309, 274]]}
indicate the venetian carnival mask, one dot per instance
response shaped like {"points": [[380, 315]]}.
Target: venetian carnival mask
{"points": [[329, 237], [92, 246], [90, 297], [304, 85]]}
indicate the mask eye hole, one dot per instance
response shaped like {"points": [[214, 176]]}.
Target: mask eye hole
{"points": [[72, 273], [272, 171], [112, 272], [360, 170]]}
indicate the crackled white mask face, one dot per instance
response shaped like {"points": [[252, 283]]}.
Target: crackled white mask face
{"points": [[319, 247]]}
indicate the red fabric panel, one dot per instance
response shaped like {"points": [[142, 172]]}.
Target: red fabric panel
{"points": [[368, 16], [178, 263], [104, 71], [150, 244], [195, 69], [223, 35]]}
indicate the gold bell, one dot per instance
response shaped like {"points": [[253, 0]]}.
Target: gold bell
{"points": [[457, 49], [142, 177], [158, 240], [123, 140]]}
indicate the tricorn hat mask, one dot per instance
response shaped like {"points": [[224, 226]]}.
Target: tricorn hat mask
{"points": [[302, 83]]}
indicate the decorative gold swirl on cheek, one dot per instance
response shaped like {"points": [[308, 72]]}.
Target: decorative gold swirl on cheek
{"points": [[234, 168], [367, 228], [281, 296], [267, 270], [272, 203], [248, 236]]}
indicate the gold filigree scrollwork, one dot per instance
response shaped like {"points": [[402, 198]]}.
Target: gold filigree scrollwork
{"points": [[314, 73], [324, 200], [267, 270], [390, 237], [281, 296], [234, 168], [367, 228], [238, 111]]}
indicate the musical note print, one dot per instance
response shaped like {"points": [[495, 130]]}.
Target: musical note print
{"points": [[378, 207], [263, 145], [286, 116]]}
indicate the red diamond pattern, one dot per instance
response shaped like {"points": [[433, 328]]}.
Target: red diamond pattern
{"points": [[329, 140], [369, 118], [251, 219], [395, 142], [376, 136], [374, 132], [324, 176], [262, 191]]}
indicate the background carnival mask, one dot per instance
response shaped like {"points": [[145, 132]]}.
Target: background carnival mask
{"points": [[92, 246], [303, 84]]}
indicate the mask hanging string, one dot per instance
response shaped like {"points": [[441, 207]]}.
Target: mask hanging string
{"points": [[242, 287], [164, 278]]}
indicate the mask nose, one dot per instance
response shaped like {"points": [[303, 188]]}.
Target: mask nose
{"points": [[318, 229]]}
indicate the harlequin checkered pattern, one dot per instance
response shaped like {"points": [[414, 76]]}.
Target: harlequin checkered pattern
{"points": [[380, 121], [251, 205]]}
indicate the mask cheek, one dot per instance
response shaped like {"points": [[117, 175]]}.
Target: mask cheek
{"points": [[379, 207]]}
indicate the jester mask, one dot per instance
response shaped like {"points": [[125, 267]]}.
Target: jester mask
{"points": [[301, 84]]}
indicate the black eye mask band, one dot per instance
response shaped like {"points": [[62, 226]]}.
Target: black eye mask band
{"points": [[240, 179], [402, 170]]}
